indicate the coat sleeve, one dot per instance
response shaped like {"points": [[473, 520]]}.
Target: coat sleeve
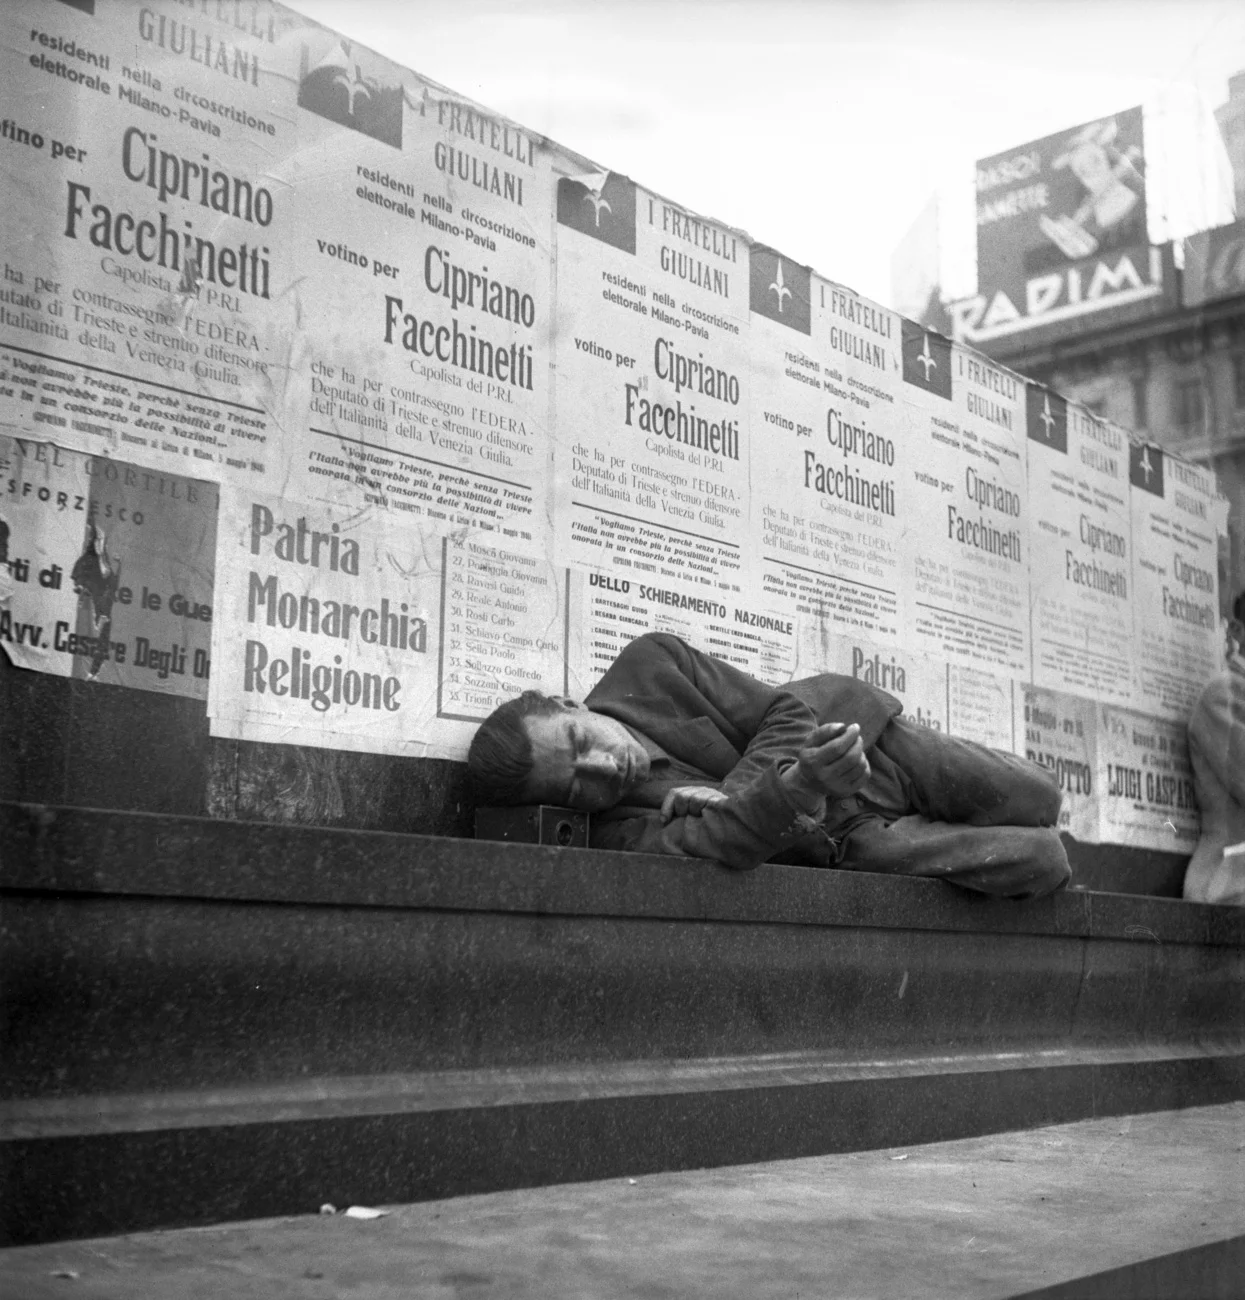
{"points": [[749, 828], [659, 682], [767, 726], [773, 723]]}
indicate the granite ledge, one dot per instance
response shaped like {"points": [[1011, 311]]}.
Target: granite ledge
{"points": [[70, 850]]}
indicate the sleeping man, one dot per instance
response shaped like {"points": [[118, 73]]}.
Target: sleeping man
{"points": [[674, 751]]}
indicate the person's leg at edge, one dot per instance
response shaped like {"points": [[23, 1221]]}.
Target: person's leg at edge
{"points": [[1006, 861], [953, 780]]}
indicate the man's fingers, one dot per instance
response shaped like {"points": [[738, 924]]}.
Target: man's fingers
{"points": [[689, 800], [829, 731], [832, 741], [833, 759]]}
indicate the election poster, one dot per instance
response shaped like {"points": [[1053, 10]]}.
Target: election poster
{"points": [[653, 445], [335, 631], [1175, 514], [146, 248], [829, 489], [1080, 548], [608, 611], [1060, 734], [964, 545], [1061, 231], [420, 368], [1147, 799], [106, 569]]}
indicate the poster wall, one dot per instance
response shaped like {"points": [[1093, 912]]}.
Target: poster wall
{"points": [[356, 408]]}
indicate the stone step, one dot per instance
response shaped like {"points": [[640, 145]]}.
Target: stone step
{"points": [[206, 1018], [1137, 1207]]}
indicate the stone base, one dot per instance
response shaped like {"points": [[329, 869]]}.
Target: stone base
{"points": [[215, 1020]]}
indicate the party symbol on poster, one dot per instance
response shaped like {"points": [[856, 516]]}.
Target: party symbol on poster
{"points": [[926, 359], [1046, 417], [335, 88], [597, 204], [780, 290], [1145, 467], [600, 204], [778, 287]]}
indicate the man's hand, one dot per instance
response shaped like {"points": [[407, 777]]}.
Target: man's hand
{"points": [[689, 801], [831, 763]]}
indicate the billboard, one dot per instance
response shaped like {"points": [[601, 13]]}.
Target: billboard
{"points": [[1061, 231]]}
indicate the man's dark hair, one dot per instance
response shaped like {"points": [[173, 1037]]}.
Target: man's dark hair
{"points": [[500, 757]]}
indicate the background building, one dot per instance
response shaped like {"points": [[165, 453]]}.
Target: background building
{"points": [[1166, 359]]}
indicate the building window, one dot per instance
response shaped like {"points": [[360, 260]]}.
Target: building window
{"points": [[1238, 381], [1189, 408], [1141, 415]]}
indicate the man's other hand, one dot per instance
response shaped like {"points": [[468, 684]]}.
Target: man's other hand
{"points": [[689, 801], [831, 762]]}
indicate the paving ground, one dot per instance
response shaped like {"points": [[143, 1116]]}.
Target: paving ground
{"points": [[988, 1217]]}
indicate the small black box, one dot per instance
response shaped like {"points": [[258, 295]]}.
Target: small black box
{"points": [[534, 824]]}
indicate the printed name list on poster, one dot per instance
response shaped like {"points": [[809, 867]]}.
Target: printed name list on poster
{"points": [[964, 552], [829, 471], [1175, 514], [348, 632], [608, 611], [146, 252], [653, 444], [1080, 550], [1145, 778], [422, 228], [503, 627], [105, 569]]}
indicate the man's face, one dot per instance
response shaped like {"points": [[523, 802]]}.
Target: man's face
{"points": [[583, 760]]}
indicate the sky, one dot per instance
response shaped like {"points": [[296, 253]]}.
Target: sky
{"points": [[821, 127]]}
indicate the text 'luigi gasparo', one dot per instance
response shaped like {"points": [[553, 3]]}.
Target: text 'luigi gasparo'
{"points": [[301, 675]]}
